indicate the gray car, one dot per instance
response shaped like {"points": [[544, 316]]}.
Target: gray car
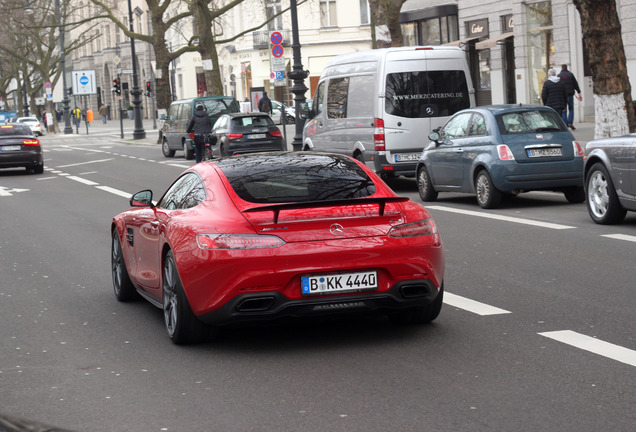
{"points": [[610, 178], [492, 151]]}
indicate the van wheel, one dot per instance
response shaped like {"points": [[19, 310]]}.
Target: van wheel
{"points": [[424, 185], [188, 150], [165, 148], [358, 156]]}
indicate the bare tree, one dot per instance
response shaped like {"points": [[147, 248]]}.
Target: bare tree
{"points": [[613, 106]]}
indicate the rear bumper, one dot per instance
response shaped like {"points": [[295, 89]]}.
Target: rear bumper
{"points": [[273, 306], [547, 176], [27, 159], [379, 163]]}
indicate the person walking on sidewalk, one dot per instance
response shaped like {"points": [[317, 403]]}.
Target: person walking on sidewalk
{"points": [[103, 111], [571, 86], [200, 125], [553, 93], [265, 104]]}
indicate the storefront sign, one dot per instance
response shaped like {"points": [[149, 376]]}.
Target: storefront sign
{"points": [[508, 23], [477, 28]]}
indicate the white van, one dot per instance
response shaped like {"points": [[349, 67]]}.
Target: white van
{"points": [[379, 106]]}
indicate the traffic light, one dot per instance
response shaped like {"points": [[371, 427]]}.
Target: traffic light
{"points": [[148, 89], [117, 87], [70, 91]]}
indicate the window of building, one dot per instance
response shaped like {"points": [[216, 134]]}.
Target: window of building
{"points": [[328, 13], [431, 31], [273, 7], [365, 12], [540, 46]]}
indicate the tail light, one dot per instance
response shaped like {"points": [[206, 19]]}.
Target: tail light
{"points": [[504, 152], [578, 150], [191, 135], [276, 133], [378, 135], [238, 241], [31, 142], [234, 136], [414, 229]]}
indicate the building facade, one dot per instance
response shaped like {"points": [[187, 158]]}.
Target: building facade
{"points": [[509, 45]]}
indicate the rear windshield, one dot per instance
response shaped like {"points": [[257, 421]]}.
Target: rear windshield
{"points": [[216, 107], [239, 122], [281, 178], [15, 129], [529, 122], [423, 94]]}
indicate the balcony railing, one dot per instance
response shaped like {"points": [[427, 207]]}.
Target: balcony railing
{"points": [[260, 38]]}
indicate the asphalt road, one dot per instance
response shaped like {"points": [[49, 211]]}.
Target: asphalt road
{"points": [[537, 332]]}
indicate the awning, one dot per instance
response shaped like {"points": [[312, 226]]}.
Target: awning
{"points": [[460, 41], [489, 43]]}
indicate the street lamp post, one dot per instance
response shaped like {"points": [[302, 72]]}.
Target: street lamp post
{"points": [[298, 75], [25, 104], [153, 96], [68, 129], [138, 132]]}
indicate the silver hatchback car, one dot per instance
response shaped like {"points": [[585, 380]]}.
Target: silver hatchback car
{"points": [[492, 151]]}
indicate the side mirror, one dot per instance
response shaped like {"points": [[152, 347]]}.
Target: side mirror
{"points": [[434, 136], [142, 199], [305, 112]]}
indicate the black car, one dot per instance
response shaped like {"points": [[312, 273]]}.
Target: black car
{"points": [[20, 148], [252, 132]]}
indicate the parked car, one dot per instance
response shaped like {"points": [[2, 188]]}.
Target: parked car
{"points": [[20, 148], [258, 237], [251, 132], [610, 178], [495, 150], [33, 123], [290, 113], [174, 137]]}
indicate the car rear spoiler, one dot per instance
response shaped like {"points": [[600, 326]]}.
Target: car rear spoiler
{"points": [[276, 208]]}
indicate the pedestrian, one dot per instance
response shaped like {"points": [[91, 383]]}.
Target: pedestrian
{"points": [[200, 125], [58, 115], [108, 109], [265, 104], [103, 111], [553, 93], [571, 86], [77, 116]]}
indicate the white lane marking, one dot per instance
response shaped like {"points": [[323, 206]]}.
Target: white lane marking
{"points": [[178, 165], [46, 178], [620, 237], [472, 305], [82, 180], [3, 192], [85, 163], [501, 217], [115, 191], [587, 343]]}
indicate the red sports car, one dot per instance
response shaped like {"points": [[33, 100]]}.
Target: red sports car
{"points": [[264, 236]]}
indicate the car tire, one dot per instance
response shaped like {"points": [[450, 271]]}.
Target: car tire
{"points": [[122, 285], [488, 196], [165, 148], [182, 325], [188, 151], [425, 186], [420, 314], [223, 151], [574, 195], [602, 201], [38, 169], [290, 120]]}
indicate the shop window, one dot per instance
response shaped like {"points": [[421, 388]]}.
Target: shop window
{"points": [[540, 46]]}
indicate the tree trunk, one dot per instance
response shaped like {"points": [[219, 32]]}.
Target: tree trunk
{"points": [[613, 106], [387, 13], [207, 47]]}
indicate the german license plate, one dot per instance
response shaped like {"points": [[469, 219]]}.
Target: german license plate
{"points": [[407, 157], [255, 136], [339, 283], [556, 151], [10, 148]]}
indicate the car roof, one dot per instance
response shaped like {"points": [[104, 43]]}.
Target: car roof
{"points": [[248, 114], [28, 118], [503, 109]]}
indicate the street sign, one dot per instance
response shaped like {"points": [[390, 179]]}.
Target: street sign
{"points": [[278, 51], [276, 38], [278, 64], [84, 82], [116, 60]]}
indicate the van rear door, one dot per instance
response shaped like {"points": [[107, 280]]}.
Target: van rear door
{"points": [[423, 87]]}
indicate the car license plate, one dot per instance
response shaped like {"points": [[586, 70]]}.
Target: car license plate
{"points": [[255, 136], [10, 148], [544, 152], [339, 283], [407, 157]]}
